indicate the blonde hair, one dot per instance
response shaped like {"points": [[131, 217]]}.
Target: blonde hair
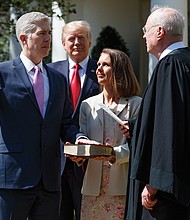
{"points": [[76, 25]]}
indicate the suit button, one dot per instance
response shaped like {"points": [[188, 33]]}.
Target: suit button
{"points": [[43, 126]]}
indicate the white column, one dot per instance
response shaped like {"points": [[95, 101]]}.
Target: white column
{"points": [[180, 5], [58, 52], [14, 45]]}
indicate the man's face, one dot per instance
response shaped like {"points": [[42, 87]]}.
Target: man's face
{"points": [[77, 44], [150, 34], [36, 45]]}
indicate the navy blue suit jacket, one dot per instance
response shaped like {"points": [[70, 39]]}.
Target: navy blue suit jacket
{"points": [[90, 87], [29, 143]]}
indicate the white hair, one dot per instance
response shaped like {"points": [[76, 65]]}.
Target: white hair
{"points": [[27, 22], [171, 19]]}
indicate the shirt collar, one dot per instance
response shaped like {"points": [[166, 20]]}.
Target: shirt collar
{"points": [[83, 64], [28, 63], [172, 47]]}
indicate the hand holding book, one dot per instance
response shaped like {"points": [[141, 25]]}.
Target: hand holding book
{"points": [[85, 148], [88, 150]]}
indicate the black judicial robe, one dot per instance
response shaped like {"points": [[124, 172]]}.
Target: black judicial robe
{"points": [[160, 152]]}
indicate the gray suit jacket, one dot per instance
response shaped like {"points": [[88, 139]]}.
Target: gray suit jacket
{"points": [[92, 124]]}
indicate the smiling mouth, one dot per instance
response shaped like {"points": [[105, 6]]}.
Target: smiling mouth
{"points": [[77, 49], [45, 46], [100, 75]]}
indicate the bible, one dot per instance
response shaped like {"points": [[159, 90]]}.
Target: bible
{"points": [[88, 150]]}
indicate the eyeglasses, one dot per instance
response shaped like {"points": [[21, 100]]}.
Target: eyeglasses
{"points": [[145, 30]]}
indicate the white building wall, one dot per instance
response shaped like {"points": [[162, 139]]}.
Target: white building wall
{"points": [[58, 52], [180, 5]]}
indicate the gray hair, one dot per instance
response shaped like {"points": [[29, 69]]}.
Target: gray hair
{"points": [[76, 25], [171, 19], [27, 22]]}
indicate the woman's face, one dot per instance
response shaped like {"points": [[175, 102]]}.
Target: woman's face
{"points": [[104, 70]]}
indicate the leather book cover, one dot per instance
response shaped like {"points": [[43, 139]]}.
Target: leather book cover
{"points": [[87, 150]]}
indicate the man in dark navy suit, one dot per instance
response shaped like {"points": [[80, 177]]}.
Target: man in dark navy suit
{"points": [[76, 40], [30, 135]]}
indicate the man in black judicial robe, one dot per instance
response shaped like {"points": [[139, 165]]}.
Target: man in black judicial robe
{"points": [[159, 185]]}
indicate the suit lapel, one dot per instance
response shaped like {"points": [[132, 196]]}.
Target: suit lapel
{"points": [[65, 70], [99, 112], [52, 87], [22, 74], [90, 76], [88, 82], [98, 109], [123, 102]]}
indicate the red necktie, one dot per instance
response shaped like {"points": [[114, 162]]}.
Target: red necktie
{"points": [[38, 85], [75, 86]]}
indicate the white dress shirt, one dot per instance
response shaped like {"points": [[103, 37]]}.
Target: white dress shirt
{"points": [[29, 65], [82, 70], [172, 47]]}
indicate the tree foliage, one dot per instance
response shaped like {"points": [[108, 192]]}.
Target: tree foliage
{"points": [[20, 7], [108, 38]]}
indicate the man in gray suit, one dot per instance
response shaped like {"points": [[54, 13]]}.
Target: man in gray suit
{"points": [[29, 138], [76, 40]]}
